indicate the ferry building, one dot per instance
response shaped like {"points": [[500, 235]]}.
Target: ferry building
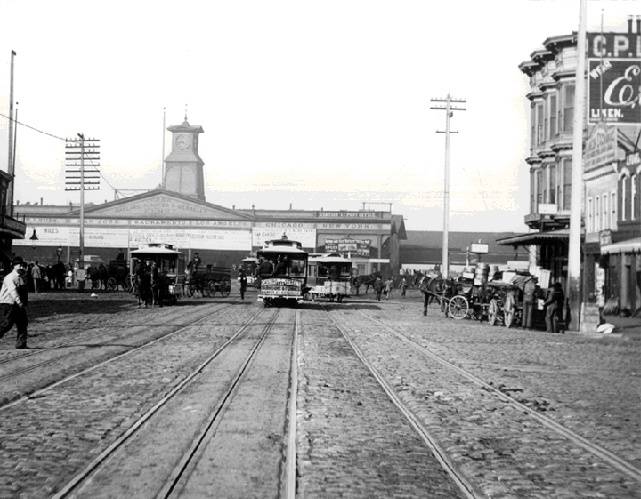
{"points": [[178, 214]]}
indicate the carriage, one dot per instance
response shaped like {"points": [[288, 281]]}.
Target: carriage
{"points": [[118, 276], [286, 282], [208, 281], [329, 276], [169, 262]]}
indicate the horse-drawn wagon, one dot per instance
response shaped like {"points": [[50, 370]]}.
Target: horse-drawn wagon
{"points": [[209, 281]]}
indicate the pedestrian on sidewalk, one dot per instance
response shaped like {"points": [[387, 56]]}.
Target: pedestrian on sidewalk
{"points": [[403, 287], [242, 277], [36, 275], [13, 302], [529, 289], [554, 304], [389, 285], [378, 287]]}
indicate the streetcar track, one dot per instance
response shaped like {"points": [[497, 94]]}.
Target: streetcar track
{"points": [[38, 393], [92, 467], [468, 490], [188, 457], [290, 459], [618, 463], [72, 345]]}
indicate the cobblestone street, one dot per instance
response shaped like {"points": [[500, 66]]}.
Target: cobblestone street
{"points": [[109, 400]]}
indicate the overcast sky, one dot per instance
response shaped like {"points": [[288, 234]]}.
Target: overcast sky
{"points": [[313, 103]]}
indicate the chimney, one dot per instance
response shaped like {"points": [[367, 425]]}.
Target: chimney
{"points": [[105, 201], [321, 208], [233, 207], [638, 25], [41, 201], [18, 202], [290, 206], [630, 24]]}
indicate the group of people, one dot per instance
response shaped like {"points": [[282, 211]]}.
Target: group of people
{"points": [[149, 284], [40, 278]]}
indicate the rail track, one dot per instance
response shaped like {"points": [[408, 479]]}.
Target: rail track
{"points": [[49, 362], [465, 486], [618, 463], [182, 470]]}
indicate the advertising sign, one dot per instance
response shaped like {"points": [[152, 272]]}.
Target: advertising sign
{"points": [[613, 90], [106, 237], [601, 147], [614, 67], [358, 247], [294, 232]]}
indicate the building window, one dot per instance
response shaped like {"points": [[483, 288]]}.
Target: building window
{"points": [[567, 183], [590, 216], [552, 115], [540, 186], [613, 207], [633, 197], [552, 188], [623, 196], [533, 207], [540, 138], [597, 214], [568, 108], [533, 125], [605, 201]]}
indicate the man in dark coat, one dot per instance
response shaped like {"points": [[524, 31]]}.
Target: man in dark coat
{"points": [[554, 304], [242, 278], [378, 287]]}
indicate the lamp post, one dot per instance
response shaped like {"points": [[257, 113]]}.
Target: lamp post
{"points": [[33, 240]]}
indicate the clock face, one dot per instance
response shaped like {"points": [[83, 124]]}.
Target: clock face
{"points": [[182, 143]]}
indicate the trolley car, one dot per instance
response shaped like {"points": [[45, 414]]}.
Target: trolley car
{"points": [[329, 276], [169, 263], [283, 272]]}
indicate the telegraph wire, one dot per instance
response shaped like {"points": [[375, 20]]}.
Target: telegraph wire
{"points": [[58, 138]]}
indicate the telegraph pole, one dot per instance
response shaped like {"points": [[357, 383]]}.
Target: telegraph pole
{"points": [[449, 112], [574, 249], [10, 162], [164, 133], [78, 151]]}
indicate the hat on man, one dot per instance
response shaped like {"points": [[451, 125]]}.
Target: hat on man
{"points": [[17, 261]]}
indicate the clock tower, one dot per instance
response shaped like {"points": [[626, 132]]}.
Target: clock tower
{"points": [[183, 166]]}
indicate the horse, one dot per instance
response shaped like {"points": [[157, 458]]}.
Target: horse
{"points": [[437, 289]]}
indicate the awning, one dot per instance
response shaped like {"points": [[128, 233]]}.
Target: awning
{"points": [[627, 246], [536, 238]]}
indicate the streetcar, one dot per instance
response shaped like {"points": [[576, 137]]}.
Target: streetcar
{"points": [[249, 265], [282, 272], [170, 268], [329, 276]]}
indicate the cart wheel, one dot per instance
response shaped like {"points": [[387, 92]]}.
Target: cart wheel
{"points": [[458, 307], [112, 284], [493, 312]]}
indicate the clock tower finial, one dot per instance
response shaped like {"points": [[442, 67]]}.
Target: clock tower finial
{"points": [[186, 122]]}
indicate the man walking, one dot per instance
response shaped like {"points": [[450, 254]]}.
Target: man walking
{"points": [[36, 275], [13, 302], [528, 303], [242, 278]]}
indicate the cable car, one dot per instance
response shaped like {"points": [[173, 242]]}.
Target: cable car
{"points": [[170, 267], [330, 276], [282, 272]]}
